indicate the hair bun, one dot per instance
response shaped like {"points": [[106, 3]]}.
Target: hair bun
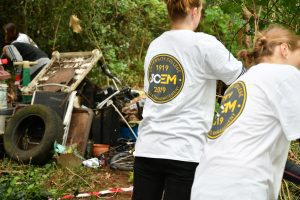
{"points": [[246, 57], [262, 41], [242, 54]]}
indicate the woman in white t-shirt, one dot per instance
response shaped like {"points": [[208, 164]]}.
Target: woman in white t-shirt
{"points": [[248, 144], [13, 35], [181, 68]]}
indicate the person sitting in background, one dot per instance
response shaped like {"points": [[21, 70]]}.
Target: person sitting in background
{"points": [[19, 51], [250, 138], [13, 35]]}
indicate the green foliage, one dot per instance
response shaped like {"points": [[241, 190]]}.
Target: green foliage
{"points": [[225, 18], [130, 179], [25, 183], [223, 25], [123, 29], [267, 11]]}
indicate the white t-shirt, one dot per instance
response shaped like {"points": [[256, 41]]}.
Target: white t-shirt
{"points": [[181, 69], [25, 39], [248, 144]]}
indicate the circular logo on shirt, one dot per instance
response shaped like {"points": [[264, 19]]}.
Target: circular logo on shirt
{"points": [[166, 78], [232, 106]]}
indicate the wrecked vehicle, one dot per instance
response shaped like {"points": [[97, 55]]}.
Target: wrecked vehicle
{"points": [[53, 114]]}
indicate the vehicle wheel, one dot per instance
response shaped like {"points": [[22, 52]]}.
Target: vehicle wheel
{"points": [[31, 133], [122, 161]]}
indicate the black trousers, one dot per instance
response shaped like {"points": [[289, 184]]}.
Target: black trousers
{"points": [[157, 179], [292, 172]]}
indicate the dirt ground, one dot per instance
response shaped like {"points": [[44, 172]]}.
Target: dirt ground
{"points": [[114, 179], [87, 180]]}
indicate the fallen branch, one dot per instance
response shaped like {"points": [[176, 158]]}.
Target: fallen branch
{"points": [[80, 177]]}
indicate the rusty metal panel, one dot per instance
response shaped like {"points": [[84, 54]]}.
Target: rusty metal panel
{"points": [[80, 128]]}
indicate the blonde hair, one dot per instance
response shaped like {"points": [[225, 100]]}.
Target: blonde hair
{"points": [[178, 9], [266, 43]]}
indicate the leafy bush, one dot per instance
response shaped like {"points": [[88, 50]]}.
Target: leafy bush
{"points": [[23, 181], [123, 29]]}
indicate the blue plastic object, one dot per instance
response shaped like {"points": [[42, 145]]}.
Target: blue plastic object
{"points": [[127, 134]]}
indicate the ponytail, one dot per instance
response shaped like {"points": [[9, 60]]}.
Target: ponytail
{"points": [[178, 9], [266, 42]]}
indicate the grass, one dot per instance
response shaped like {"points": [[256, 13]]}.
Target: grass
{"points": [[18, 181], [290, 191]]}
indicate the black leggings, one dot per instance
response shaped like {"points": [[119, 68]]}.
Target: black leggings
{"points": [[157, 178], [292, 172]]}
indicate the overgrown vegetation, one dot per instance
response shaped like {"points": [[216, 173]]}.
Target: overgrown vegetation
{"points": [[122, 30], [53, 181], [23, 182]]}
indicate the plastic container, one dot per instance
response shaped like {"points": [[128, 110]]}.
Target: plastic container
{"points": [[2, 124], [4, 113], [127, 134], [99, 149], [92, 163], [3, 99], [3, 106]]}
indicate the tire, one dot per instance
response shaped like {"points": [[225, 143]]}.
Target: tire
{"points": [[31, 133], [122, 161]]}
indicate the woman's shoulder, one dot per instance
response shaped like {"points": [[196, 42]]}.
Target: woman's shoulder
{"points": [[22, 38], [277, 72], [25, 39], [207, 40], [276, 68], [206, 37]]}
